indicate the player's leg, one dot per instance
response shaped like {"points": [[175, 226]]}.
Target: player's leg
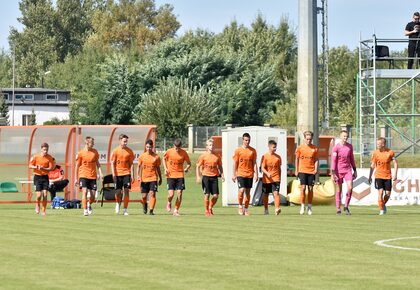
{"points": [[303, 184], [205, 185], [247, 199], [241, 191], [178, 202], [387, 193], [381, 201], [145, 189], [206, 204], [267, 189], [310, 197], [152, 196], [84, 200], [126, 200], [338, 190], [44, 199], [349, 183], [171, 193], [276, 194]]}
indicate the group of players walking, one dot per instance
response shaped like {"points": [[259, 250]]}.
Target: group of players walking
{"points": [[209, 169]]}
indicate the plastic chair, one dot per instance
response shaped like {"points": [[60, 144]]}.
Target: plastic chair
{"points": [[8, 187], [108, 188], [382, 54]]}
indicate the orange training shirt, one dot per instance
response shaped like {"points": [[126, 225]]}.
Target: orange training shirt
{"points": [[245, 159], [210, 163], [46, 161], [149, 164], [123, 158], [271, 163], [307, 157], [382, 162], [175, 162], [87, 159]]}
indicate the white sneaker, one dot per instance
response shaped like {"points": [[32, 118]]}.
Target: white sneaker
{"points": [[176, 212], [125, 212], [302, 209], [381, 212], [266, 211], [85, 212], [309, 210], [89, 209], [117, 208]]}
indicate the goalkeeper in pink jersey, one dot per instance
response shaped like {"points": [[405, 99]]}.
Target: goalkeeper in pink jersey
{"points": [[343, 167]]}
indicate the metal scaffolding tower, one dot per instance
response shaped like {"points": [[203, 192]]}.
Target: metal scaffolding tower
{"points": [[377, 115]]}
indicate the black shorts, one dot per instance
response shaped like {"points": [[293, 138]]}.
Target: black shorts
{"points": [[385, 184], [88, 183], [306, 178], [210, 185], [176, 183], [244, 182], [123, 182], [147, 187], [271, 187], [41, 182]]}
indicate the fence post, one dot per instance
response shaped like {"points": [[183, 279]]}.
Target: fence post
{"points": [[190, 138]]}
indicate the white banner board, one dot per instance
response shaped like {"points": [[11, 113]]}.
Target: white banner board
{"points": [[405, 191]]}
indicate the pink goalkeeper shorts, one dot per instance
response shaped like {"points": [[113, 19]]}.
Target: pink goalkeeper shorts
{"points": [[347, 176]]}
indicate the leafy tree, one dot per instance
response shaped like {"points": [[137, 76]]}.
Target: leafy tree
{"points": [[4, 110], [56, 121], [130, 23], [173, 104], [5, 69]]}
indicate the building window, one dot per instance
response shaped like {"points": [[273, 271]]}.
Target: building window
{"points": [[25, 97], [6, 96], [51, 97], [28, 119], [29, 97], [18, 97]]}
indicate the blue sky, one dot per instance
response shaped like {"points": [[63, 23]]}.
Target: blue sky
{"points": [[347, 18]]}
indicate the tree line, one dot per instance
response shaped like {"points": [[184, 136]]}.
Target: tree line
{"points": [[124, 64]]}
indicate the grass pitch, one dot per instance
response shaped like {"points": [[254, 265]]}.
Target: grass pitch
{"points": [[66, 250]]}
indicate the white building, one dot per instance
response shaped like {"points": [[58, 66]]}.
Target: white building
{"points": [[46, 104]]}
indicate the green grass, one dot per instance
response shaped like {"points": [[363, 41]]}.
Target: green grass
{"points": [[66, 250]]}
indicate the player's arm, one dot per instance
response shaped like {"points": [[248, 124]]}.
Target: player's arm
{"points": [[139, 170], [98, 166], [255, 170], [159, 173], [76, 170], [32, 164], [395, 175], [263, 169], [187, 159], [296, 164], [316, 165], [132, 172], [198, 172], [353, 164], [51, 166], [221, 173], [113, 169], [165, 165], [372, 169], [334, 159]]}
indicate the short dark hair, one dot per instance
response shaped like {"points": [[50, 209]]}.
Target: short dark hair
{"points": [[246, 135], [45, 145], [149, 142], [272, 142], [381, 139], [122, 136], [416, 14], [344, 131], [308, 133], [177, 142]]}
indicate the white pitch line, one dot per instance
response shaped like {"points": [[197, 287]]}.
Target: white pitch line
{"points": [[382, 243]]}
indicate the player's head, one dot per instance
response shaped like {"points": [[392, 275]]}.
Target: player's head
{"points": [[380, 143], [177, 144], [344, 136], [149, 145], [123, 140], [246, 139], [90, 141], [308, 136], [209, 145], [44, 148], [272, 146], [416, 16]]}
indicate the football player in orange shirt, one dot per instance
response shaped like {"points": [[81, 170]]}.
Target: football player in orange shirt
{"points": [[173, 161], [244, 169], [381, 164], [306, 164], [42, 164], [149, 176], [271, 168], [87, 161], [122, 171], [209, 166]]}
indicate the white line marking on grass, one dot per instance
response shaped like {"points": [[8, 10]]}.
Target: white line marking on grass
{"points": [[382, 243]]}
